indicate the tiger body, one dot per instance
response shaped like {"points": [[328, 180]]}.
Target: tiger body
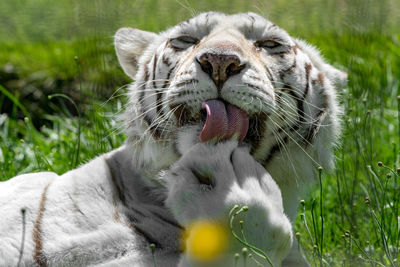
{"points": [[111, 209], [76, 219]]}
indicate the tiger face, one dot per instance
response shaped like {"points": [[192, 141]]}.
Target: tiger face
{"points": [[217, 77]]}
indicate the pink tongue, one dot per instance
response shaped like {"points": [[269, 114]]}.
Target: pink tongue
{"points": [[223, 121]]}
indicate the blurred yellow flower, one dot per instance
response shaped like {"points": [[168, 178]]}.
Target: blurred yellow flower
{"points": [[205, 240]]}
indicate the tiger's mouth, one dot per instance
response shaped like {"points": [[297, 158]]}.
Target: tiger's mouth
{"points": [[220, 120], [223, 121]]}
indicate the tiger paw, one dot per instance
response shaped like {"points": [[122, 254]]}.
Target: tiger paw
{"points": [[209, 180]]}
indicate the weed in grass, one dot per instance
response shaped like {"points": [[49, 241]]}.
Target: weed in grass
{"points": [[153, 253], [236, 259], [235, 211]]}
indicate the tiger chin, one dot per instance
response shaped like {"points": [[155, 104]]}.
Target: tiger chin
{"points": [[224, 110]]}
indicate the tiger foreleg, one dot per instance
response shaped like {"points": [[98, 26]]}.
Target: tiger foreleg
{"points": [[206, 183]]}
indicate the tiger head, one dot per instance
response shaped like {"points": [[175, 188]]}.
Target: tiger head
{"points": [[216, 77]]}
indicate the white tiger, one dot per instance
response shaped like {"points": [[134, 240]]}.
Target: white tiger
{"points": [[224, 110]]}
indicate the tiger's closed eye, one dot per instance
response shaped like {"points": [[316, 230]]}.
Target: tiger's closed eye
{"points": [[183, 42], [267, 44]]}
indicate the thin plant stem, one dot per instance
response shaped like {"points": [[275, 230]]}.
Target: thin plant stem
{"points": [[256, 250], [21, 250], [321, 209]]}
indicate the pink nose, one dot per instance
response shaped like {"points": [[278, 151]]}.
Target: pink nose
{"points": [[220, 67]]}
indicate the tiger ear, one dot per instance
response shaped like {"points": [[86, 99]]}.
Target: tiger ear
{"points": [[129, 45], [337, 77]]}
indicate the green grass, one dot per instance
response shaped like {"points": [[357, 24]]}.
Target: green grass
{"points": [[359, 203], [25, 149]]}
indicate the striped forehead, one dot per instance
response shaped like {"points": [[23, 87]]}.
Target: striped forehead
{"points": [[251, 25]]}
